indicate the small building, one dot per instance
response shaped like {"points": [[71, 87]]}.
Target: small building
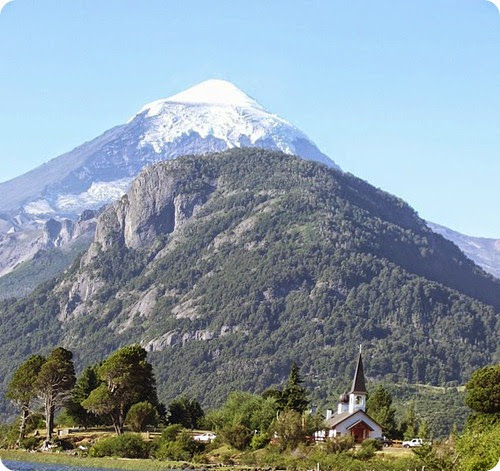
{"points": [[351, 417]]}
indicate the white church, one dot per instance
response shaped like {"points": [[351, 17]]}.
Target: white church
{"points": [[351, 417]]}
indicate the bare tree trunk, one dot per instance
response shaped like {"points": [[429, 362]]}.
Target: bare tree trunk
{"points": [[22, 427], [49, 419], [116, 418]]}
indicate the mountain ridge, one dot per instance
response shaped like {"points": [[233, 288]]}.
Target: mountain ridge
{"points": [[228, 267]]}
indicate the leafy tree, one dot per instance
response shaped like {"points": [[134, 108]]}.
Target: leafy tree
{"points": [[141, 415], [289, 429], [250, 410], [127, 378], [237, 435], [85, 384], [379, 406], [22, 390], [54, 383], [423, 429], [483, 390], [185, 411], [294, 396], [479, 450], [409, 423]]}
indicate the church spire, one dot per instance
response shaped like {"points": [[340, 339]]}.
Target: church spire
{"points": [[358, 383]]}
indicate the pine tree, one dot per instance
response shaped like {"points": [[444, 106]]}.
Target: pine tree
{"points": [[294, 395], [22, 389], [379, 406], [85, 384], [54, 384], [127, 378]]}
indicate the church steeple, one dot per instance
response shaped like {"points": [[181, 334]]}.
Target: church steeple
{"points": [[357, 395], [358, 383]]}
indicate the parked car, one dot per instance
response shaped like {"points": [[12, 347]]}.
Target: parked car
{"points": [[414, 442], [386, 442], [206, 437]]}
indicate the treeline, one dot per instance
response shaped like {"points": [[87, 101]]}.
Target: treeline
{"points": [[121, 389], [273, 428]]}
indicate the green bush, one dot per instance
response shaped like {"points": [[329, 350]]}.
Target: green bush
{"points": [[339, 444], [128, 445], [176, 444], [366, 452], [30, 443], [259, 441], [172, 451], [141, 415], [479, 450], [238, 436], [371, 442], [169, 433]]}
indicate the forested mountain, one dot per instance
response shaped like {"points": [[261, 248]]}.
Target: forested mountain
{"points": [[227, 267], [212, 116]]}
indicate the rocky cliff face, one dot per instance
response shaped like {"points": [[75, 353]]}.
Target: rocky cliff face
{"points": [[20, 246], [156, 204]]}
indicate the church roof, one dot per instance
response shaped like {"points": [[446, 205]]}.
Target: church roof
{"points": [[339, 418], [331, 423], [358, 383]]}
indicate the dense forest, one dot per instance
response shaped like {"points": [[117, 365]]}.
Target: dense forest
{"points": [[277, 260]]}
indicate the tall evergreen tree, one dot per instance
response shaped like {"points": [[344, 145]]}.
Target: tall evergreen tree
{"points": [[379, 406], [127, 378], [409, 423], [185, 411], [54, 384], [85, 384], [22, 389], [294, 395]]}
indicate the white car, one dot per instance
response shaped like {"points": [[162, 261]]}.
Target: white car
{"points": [[205, 437], [414, 442]]}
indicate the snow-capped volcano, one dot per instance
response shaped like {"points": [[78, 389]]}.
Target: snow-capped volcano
{"points": [[212, 116], [220, 110]]}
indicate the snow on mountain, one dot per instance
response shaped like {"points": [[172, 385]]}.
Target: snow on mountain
{"points": [[212, 116], [219, 109], [98, 194]]}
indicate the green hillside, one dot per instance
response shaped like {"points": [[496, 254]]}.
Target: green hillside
{"points": [[228, 267]]}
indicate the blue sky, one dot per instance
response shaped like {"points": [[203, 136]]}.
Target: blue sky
{"points": [[403, 93]]}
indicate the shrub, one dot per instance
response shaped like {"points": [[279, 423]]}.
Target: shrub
{"points": [[128, 445], [339, 444], [141, 415], [479, 450], [259, 441], [371, 442], [238, 436], [176, 444], [30, 443], [366, 452], [172, 451], [289, 430], [169, 434]]}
